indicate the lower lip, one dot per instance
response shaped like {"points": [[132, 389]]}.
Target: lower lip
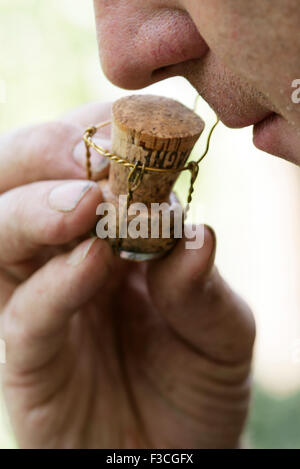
{"points": [[266, 132]]}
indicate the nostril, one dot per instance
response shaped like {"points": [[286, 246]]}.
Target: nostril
{"points": [[171, 70], [161, 71]]}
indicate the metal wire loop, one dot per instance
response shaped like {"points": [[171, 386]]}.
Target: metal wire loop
{"points": [[137, 170]]}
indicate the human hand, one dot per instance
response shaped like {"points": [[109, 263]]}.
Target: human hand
{"points": [[102, 353]]}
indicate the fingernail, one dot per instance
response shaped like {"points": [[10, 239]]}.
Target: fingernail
{"points": [[81, 253], [66, 197], [98, 163]]}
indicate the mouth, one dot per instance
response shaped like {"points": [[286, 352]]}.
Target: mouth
{"points": [[267, 132], [239, 106], [275, 135]]}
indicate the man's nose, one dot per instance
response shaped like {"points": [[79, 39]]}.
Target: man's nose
{"points": [[140, 46]]}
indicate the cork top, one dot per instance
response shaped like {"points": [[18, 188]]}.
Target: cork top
{"points": [[158, 117]]}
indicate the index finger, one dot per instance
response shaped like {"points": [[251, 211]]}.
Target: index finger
{"points": [[48, 151]]}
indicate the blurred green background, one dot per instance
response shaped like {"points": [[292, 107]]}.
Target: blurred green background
{"points": [[49, 64]]}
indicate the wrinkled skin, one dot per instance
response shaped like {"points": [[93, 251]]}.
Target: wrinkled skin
{"points": [[102, 353], [241, 56]]}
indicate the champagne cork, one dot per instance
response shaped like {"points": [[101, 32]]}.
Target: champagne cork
{"points": [[159, 133]]}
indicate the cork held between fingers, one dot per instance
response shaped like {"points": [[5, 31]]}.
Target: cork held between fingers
{"points": [[152, 139]]}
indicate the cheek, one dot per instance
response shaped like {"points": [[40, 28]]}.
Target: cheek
{"points": [[220, 23], [259, 41]]}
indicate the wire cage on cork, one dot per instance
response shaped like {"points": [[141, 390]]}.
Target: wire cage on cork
{"points": [[152, 139]]}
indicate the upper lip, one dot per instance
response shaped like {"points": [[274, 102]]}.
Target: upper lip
{"points": [[237, 122], [232, 115]]}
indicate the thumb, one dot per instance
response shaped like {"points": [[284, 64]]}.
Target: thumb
{"points": [[199, 306]]}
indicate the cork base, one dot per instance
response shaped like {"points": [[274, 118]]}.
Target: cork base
{"points": [[140, 256], [141, 249]]}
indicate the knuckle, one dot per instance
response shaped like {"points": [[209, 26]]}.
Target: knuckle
{"points": [[230, 308], [13, 331]]}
